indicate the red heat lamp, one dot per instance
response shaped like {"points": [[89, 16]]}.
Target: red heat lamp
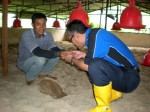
{"points": [[16, 23], [56, 24], [131, 17], [116, 26], [146, 61], [79, 14]]}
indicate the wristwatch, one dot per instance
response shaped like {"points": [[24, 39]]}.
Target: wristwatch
{"points": [[72, 61]]}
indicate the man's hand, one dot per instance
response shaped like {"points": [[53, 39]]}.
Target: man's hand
{"points": [[68, 58], [63, 54], [78, 54]]}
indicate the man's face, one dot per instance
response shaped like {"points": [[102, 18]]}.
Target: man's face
{"points": [[39, 26], [77, 40]]}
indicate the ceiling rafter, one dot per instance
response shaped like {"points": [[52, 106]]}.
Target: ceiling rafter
{"points": [[63, 7]]}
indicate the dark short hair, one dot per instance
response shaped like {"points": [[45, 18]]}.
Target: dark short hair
{"points": [[38, 16], [76, 26]]}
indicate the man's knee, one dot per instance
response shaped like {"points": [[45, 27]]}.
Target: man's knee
{"points": [[96, 64], [56, 59], [92, 66], [39, 60], [98, 72]]}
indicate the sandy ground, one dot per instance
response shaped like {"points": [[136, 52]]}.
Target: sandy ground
{"points": [[16, 96]]}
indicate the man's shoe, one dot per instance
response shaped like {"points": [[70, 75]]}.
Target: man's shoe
{"points": [[30, 82], [55, 78], [44, 75]]}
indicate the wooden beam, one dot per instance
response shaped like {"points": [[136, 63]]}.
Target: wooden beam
{"points": [[4, 37]]}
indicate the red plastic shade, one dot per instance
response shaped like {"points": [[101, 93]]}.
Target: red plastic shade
{"points": [[16, 23], [79, 14], [56, 24], [116, 26], [146, 61], [131, 17]]}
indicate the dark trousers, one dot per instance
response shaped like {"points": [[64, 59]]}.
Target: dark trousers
{"points": [[102, 72]]}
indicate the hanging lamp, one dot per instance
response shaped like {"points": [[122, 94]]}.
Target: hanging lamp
{"points": [[146, 60], [131, 17], [56, 23], [17, 23], [79, 14], [116, 25]]}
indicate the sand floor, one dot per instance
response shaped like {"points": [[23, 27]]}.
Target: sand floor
{"points": [[16, 96]]}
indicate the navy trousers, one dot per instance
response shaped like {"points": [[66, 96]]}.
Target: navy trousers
{"points": [[102, 72]]}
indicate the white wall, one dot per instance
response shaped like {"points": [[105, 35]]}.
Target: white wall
{"points": [[131, 39]]}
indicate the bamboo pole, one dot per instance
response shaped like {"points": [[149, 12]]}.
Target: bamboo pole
{"points": [[4, 37]]}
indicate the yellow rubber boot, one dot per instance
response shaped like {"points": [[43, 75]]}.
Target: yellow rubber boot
{"points": [[103, 98], [115, 95]]}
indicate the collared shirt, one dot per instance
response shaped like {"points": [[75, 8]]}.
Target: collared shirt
{"points": [[104, 44], [29, 42]]}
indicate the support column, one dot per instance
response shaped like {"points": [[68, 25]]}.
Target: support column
{"points": [[4, 37]]}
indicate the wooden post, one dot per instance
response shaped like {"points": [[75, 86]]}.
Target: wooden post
{"points": [[4, 37]]}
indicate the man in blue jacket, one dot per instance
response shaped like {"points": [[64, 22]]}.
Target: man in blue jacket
{"points": [[111, 66]]}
